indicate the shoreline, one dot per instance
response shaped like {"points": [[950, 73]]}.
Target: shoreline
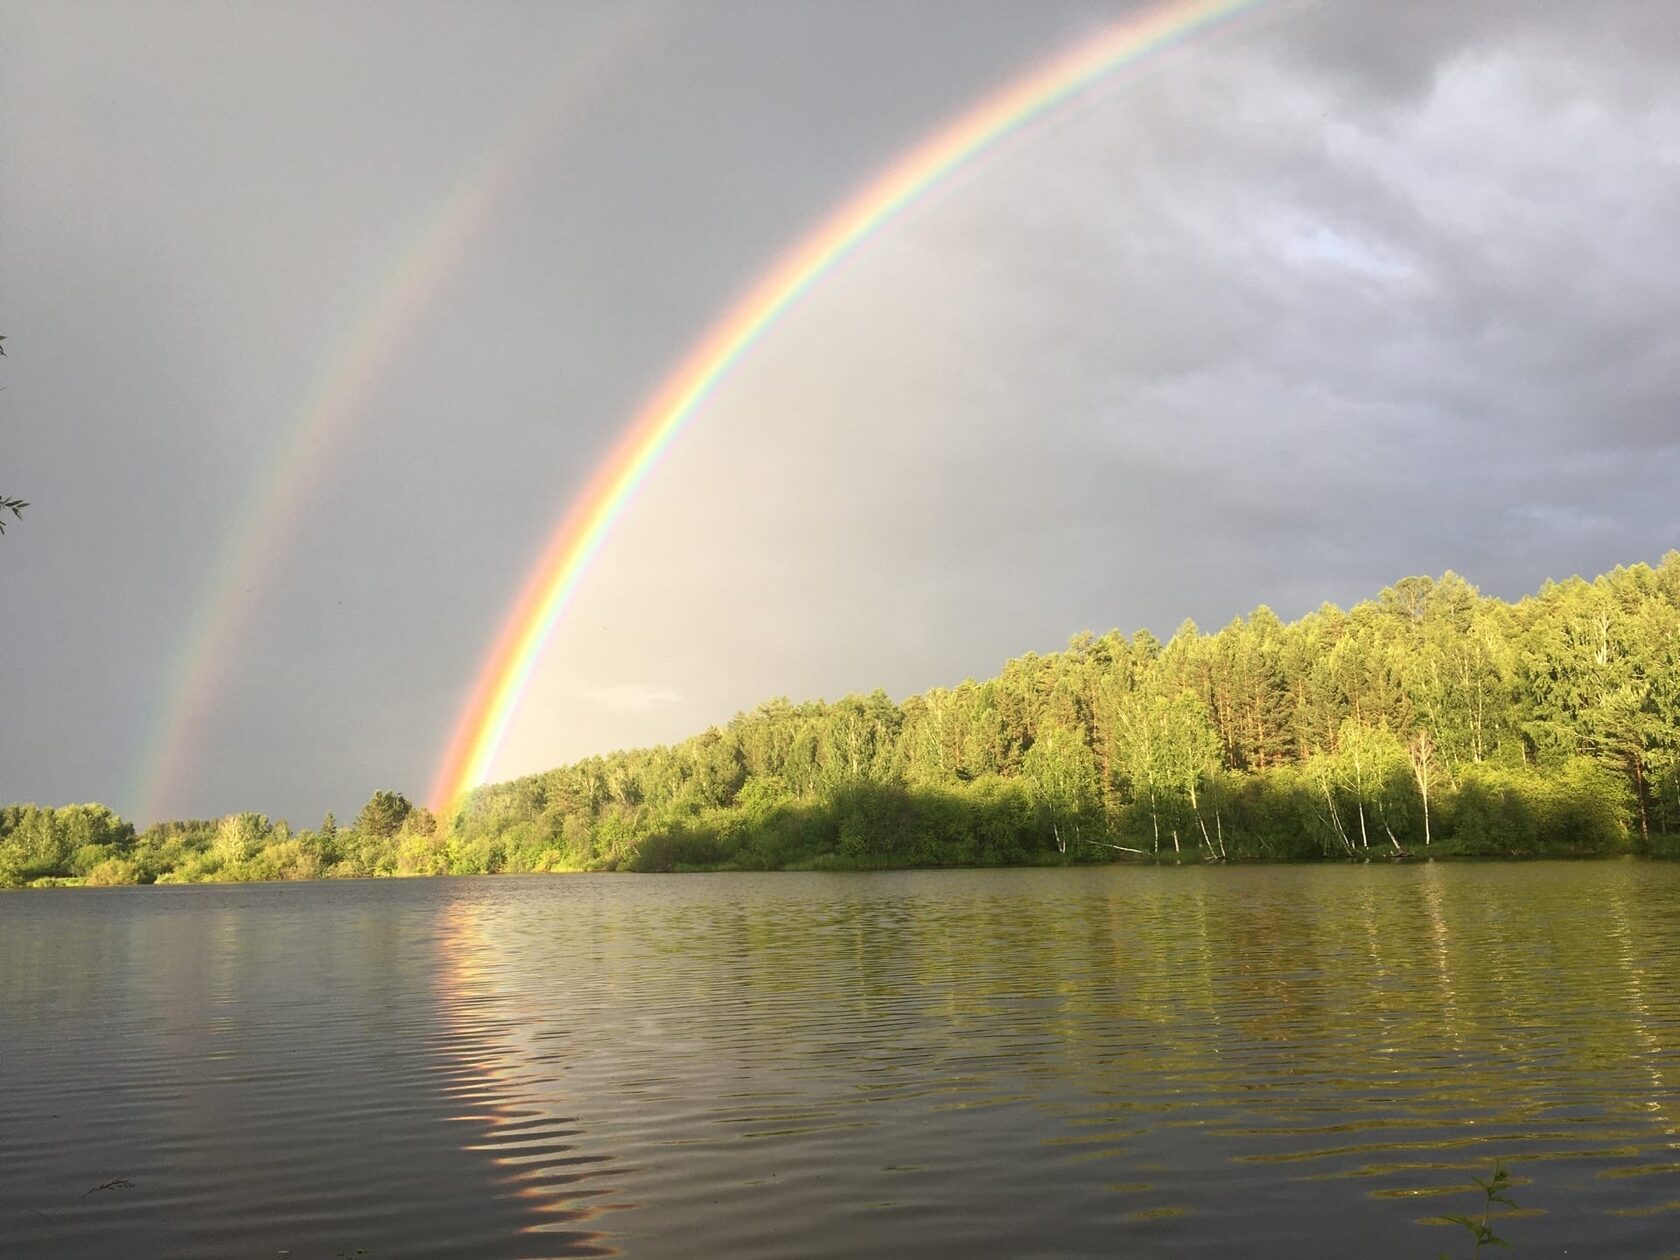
{"points": [[1663, 849]]}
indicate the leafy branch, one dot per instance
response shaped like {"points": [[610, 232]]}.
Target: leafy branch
{"points": [[7, 504], [1494, 1189]]}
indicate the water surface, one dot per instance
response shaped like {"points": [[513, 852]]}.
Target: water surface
{"points": [[1289, 1061]]}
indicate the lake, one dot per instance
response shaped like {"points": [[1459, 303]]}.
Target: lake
{"points": [[1265, 1061]]}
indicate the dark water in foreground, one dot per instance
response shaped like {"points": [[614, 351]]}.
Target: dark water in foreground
{"points": [[1288, 1061]]}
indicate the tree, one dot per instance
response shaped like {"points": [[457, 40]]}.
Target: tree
{"points": [[239, 837], [1549, 724], [1133, 722], [1192, 749], [1366, 757], [1164, 747], [1421, 754], [383, 815], [1063, 774]]}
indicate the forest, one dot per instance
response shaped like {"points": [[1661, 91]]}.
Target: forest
{"points": [[1430, 721]]}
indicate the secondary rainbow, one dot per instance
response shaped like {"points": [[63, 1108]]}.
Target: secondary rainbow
{"points": [[319, 429], [502, 679]]}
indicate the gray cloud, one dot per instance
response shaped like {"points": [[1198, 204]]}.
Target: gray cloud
{"points": [[1366, 290]]}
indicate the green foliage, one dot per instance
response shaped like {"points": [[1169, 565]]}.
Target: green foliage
{"points": [[1426, 721], [383, 815], [1493, 1191], [112, 872], [238, 839], [37, 843]]}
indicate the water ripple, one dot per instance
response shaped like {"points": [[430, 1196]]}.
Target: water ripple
{"points": [[932, 1063]]}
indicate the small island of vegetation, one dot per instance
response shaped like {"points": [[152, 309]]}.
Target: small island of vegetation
{"points": [[1429, 721]]}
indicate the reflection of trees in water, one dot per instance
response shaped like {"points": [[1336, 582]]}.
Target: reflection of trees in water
{"points": [[1438, 943], [1631, 946], [1398, 1024]]}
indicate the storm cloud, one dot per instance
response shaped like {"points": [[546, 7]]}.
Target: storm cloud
{"points": [[1329, 296]]}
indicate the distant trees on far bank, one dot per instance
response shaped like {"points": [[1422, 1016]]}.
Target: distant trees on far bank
{"points": [[1430, 719], [89, 844]]}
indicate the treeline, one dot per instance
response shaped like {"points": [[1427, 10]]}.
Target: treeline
{"points": [[1430, 720], [88, 844]]}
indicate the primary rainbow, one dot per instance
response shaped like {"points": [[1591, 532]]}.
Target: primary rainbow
{"points": [[502, 679]]}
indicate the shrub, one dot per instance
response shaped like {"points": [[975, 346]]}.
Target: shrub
{"points": [[113, 872]]}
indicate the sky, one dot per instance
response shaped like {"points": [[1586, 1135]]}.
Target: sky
{"points": [[319, 317]]}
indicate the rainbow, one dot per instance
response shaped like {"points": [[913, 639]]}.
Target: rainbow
{"points": [[506, 671], [321, 426]]}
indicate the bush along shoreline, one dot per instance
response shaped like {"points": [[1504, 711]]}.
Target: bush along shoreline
{"points": [[1428, 722]]}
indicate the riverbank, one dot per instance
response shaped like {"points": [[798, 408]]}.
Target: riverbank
{"points": [[1660, 849]]}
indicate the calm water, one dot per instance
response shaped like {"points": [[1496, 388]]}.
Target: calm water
{"points": [[1289, 1061]]}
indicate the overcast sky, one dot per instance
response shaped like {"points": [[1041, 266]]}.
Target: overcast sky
{"points": [[1326, 297]]}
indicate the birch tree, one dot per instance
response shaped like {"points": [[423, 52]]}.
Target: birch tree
{"points": [[1420, 754], [1063, 775]]}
